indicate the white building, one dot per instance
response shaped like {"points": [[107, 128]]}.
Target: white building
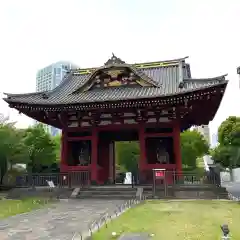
{"points": [[204, 130], [214, 140], [50, 77]]}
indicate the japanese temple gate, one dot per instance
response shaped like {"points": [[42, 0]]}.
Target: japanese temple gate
{"points": [[147, 102]]}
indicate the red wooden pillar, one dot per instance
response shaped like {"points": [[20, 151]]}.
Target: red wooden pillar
{"points": [[142, 159], [64, 151], [177, 147], [94, 156], [110, 161], [114, 163]]}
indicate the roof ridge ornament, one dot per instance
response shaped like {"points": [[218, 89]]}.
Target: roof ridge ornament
{"points": [[114, 60]]}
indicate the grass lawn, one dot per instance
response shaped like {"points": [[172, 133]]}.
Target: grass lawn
{"points": [[13, 207], [172, 220]]}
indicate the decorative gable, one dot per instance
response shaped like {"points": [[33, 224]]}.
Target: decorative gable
{"points": [[116, 73], [116, 77]]}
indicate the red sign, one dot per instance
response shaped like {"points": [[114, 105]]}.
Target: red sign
{"points": [[159, 174]]}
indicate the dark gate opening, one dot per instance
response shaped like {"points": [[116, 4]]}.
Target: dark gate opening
{"points": [[113, 145]]}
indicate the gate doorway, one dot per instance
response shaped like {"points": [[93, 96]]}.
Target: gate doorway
{"points": [[111, 147], [127, 157]]}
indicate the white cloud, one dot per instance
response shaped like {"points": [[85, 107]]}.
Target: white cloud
{"points": [[37, 33]]}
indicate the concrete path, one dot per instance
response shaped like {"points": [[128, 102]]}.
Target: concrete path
{"points": [[233, 188], [59, 222]]}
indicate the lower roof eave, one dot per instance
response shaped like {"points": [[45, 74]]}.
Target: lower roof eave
{"points": [[102, 106], [162, 100]]}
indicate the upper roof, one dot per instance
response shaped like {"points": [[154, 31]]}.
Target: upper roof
{"points": [[117, 80]]}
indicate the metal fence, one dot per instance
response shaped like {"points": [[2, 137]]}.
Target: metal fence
{"points": [[179, 184], [78, 178], [183, 178], [193, 178]]}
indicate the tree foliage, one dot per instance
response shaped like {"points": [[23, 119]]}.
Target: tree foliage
{"points": [[229, 132], [11, 145], [227, 156], [57, 141], [193, 145], [227, 153], [32, 146], [40, 146], [127, 155], [12, 150]]}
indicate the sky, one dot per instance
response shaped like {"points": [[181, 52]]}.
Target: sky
{"points": [[37, 33]]}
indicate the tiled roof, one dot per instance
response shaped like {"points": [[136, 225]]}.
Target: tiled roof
{"points": [[164, 76]]}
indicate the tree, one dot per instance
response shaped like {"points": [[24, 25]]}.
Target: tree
{"points": [[227, 153], [11, 145], [12, 150], [57, 141], [127, 155], [227, 156], [40, 146], [193, 145], [229, 132]]}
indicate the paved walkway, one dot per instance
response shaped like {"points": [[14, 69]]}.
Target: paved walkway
{"points": [[233, 188], [57, 223]]}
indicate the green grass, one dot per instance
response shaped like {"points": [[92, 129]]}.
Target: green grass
{"points": [[173, 220], [14, 207]]}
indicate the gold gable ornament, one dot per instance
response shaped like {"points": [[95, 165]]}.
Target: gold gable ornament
{"points": [[114, 73], [115, 83]]}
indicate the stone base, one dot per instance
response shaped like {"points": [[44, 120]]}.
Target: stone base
{"points": [[44, 192], [191, 192]]}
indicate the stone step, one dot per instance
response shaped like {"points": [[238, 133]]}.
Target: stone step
{"points": [[107, 192], [112, 189], [104, 196], [99, 192]]}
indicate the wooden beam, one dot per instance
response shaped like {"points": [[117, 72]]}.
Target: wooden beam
{"points": [[152, 135], [81, 138], [63, 119], [117, 127]]}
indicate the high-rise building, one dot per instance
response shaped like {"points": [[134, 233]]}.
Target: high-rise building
{"points": [[50, 77], [204, 130], [214, 141]]}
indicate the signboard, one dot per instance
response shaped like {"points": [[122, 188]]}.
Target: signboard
{"points": [[159, 174], [159, 178]]}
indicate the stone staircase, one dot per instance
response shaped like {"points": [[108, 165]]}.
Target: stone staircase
{"points": [[222, 193], [124, 192], [172, 192], [120, 192]]}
